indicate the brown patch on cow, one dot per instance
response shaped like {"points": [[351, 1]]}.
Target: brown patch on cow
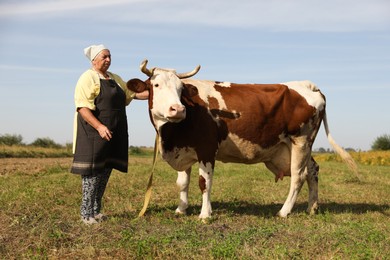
{"points": [[297, 111], [263, 112], [190, 96], [217, 113], [189, 90], [213, 103], [202, 184]]}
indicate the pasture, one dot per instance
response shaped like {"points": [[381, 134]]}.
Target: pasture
{"points": [[39, 202]]}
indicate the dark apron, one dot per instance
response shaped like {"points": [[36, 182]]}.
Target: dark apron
{"points": [[94, 154]]}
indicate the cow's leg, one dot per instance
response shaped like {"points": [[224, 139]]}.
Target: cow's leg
{"points": [[312, 181], [183, 181], [300, 154], [205, 183]]}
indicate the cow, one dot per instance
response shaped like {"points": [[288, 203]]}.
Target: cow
{"points": [[201, 121]]}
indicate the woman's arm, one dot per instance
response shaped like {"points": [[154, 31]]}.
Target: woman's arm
{"points": [[87, 115], [142, 95]]}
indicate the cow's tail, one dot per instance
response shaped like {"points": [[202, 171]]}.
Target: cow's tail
{"points": [[347, 158]]}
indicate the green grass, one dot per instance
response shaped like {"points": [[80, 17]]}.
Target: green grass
{"points": [[28, 151], [40, 216]]}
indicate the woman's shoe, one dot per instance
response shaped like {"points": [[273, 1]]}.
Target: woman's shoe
{"points": [[100, 217], [89, 220]]}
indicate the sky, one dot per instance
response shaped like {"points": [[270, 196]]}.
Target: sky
{"points": [[342, 46]]}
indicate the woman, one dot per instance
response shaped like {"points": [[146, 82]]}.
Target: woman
{"points": [[101, 142]]}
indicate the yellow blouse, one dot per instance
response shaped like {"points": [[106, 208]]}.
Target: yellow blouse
{"points": [[88, 88]]}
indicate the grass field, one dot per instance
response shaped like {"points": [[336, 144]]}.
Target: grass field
{"points": [[39, 202]]}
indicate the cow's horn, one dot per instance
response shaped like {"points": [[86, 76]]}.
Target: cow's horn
{"points": [[145, 70], [188, 74]]}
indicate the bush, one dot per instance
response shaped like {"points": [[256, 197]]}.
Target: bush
{"points": [[381, 143], [140, 151], [46, 143], [135, 150], [8, 139]]}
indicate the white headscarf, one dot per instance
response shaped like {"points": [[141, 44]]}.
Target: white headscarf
{"points": [[92, 51]]}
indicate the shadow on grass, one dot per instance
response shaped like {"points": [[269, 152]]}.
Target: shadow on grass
{"points": [[270, 210], [356, 208]]}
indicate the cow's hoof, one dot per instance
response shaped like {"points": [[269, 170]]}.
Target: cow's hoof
{"points": [[281, 215], [205, 218], [313, 210], [180, 212]]}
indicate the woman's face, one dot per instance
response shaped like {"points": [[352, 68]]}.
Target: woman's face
{"points": [[102, 61]]}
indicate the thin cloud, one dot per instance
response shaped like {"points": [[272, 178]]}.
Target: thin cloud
{"points": [[276, 15], [59, 6]]}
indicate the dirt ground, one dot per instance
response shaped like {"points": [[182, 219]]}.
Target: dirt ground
{"points": [[31, 165]]}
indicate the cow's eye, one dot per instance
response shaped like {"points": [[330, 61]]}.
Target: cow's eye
{"points": [[156, 85]]}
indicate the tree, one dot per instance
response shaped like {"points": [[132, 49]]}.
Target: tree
{"points": [[321, 150], [381, 143], [8, 139], [45, 142]]}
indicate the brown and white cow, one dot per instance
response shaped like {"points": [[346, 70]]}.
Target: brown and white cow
{"points": [[204, 121]]}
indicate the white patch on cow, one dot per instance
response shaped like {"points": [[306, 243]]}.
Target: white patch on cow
{"points": [[225, 84], [243, 149], [180, 159], [309, 91], [206, 168], [206, 90], [183, 181]]}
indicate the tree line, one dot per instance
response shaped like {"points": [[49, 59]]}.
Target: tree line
{"points": [[381, 143], [11, 140]]}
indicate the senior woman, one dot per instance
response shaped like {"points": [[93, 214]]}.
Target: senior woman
{"points": [[101, 135]]}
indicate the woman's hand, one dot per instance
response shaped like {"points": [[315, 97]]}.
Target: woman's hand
{"points": [[104, 132]]}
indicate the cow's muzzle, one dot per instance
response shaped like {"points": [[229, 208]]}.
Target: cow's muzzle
{"points": [[176, 113]]}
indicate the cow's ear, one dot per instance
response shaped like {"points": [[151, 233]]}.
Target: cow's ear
{"points": [[136, 85], [189, 90]]}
